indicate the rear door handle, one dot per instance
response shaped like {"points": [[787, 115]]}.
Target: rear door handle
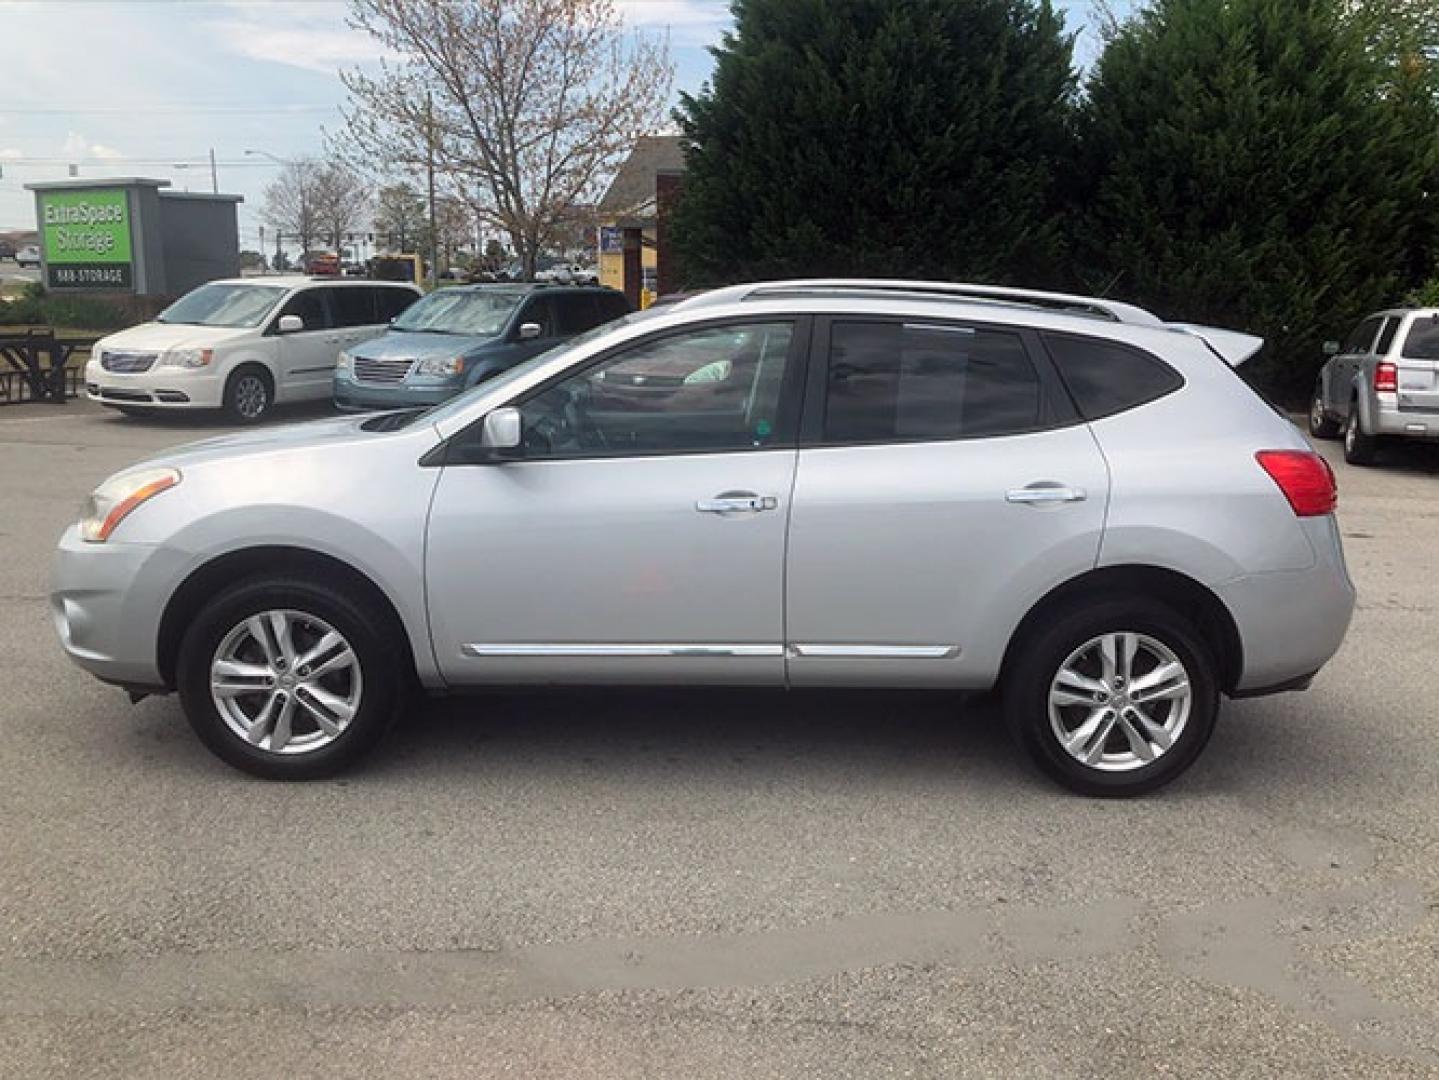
{"points": [[1038, 494], [737, 502]]}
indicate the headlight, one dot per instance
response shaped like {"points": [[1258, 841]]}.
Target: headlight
{"points": [[187, 358], [440, 367], [342, 362], [109, 503]]}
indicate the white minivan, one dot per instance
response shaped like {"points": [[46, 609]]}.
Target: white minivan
{"points": [[242, 345]]}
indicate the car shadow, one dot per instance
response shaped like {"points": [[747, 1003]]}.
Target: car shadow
{"points": [[215, 420]]}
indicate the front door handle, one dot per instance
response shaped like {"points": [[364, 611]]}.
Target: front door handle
{"points": [[737, 502], [1039, 494]]}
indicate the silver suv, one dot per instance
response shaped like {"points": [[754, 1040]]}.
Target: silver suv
{"points": [[1381, 383], [790, 484]]}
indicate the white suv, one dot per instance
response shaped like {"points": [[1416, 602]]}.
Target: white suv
{"points": [[242, 344]]}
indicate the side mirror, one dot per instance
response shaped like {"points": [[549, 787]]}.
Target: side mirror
{"points": [[501, 430], [1331, 348], [291, 324], [529, 331]]}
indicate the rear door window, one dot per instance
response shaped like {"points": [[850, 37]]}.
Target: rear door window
{"points": [[354, 305], [576, 313], [1362, 339], [910, 382], [1422, 341], [392, 302], [1105, 377]]}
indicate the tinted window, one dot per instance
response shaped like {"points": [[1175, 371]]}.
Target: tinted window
{"points": [[1422, 341], [1105, 378], [541, 310], [897, 382], [392, 302], [576, 313], [1363, 336], [613, 305], [716, 388], [353, 305], [311, 307], [1386, 336]]}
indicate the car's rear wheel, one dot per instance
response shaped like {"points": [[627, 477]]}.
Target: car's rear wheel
{"points": [[1359, 448], [249, 393], [1113, 697], [1321, 424], [289, 679]]}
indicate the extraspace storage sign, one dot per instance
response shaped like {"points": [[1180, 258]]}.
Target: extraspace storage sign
{"points": [[85, 239]]}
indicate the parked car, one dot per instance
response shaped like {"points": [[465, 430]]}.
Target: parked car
{"points": [[1382, 383], [242, 345], [29, 255], [563, 273], [889, 484], [457, 337]]}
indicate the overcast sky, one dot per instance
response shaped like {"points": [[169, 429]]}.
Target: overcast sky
{"points": [[123, 88]]}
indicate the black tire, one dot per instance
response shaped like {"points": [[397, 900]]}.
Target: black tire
{"points": [[1321, 424], [1032, 671], [249, 394], [1359, 448], [368, 631]]}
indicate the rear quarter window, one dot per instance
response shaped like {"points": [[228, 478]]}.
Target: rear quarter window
{"points": [[393, 301], [1422, 341], [1106, 378]]}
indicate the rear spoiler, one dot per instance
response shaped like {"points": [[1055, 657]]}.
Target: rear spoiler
{"points": [[1231, 346]]}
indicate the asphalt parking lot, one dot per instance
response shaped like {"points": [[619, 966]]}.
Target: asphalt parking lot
{"points": [[616, 884]]}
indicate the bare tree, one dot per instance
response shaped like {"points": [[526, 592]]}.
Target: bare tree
{"points": [[342, 196], [292, 204], [529, 103], [400, 221]]}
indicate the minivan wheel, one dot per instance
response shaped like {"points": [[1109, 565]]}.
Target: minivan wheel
{"points": [[1359, 448], [1113, 697], [1321, 424], [289, 679], [248, 394]]}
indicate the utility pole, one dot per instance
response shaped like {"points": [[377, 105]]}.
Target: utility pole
{"points": [[430, 171], [214, 176]]}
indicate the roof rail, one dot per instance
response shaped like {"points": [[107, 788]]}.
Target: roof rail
{"points": [[1092, 306]]}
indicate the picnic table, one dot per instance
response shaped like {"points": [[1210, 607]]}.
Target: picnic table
{"points": [[36, 366]]}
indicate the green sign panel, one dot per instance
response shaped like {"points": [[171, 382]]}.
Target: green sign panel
{"points": [[85, 237]]}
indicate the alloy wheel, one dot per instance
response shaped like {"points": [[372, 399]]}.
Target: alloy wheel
{"points": [[251, 396], [286, 682], [1120, 701]]}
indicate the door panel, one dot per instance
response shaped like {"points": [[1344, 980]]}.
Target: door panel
{"points": [[307, 358], [919, 546], [971, 492], [606, 570]]}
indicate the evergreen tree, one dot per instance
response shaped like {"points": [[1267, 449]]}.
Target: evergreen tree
{"points": [[917, 139], [1242, 164]]}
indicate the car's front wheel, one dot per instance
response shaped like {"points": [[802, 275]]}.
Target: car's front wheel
{"points": [[249, 393], [1113, 697], [289, 679]]}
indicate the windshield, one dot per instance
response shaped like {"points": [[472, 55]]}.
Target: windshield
{"points": [[220, 304], [475, 313], [458, 403]]}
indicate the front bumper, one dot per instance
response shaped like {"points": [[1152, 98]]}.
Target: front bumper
{"points": [[158, 388], [107, 601], [350, 394]]}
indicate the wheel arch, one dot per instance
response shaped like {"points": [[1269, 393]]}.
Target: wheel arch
{"points": [[224, 570], [1187, 596]]}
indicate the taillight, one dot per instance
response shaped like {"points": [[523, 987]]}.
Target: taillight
{"points": [[1305, 478], [1386, 376]]}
